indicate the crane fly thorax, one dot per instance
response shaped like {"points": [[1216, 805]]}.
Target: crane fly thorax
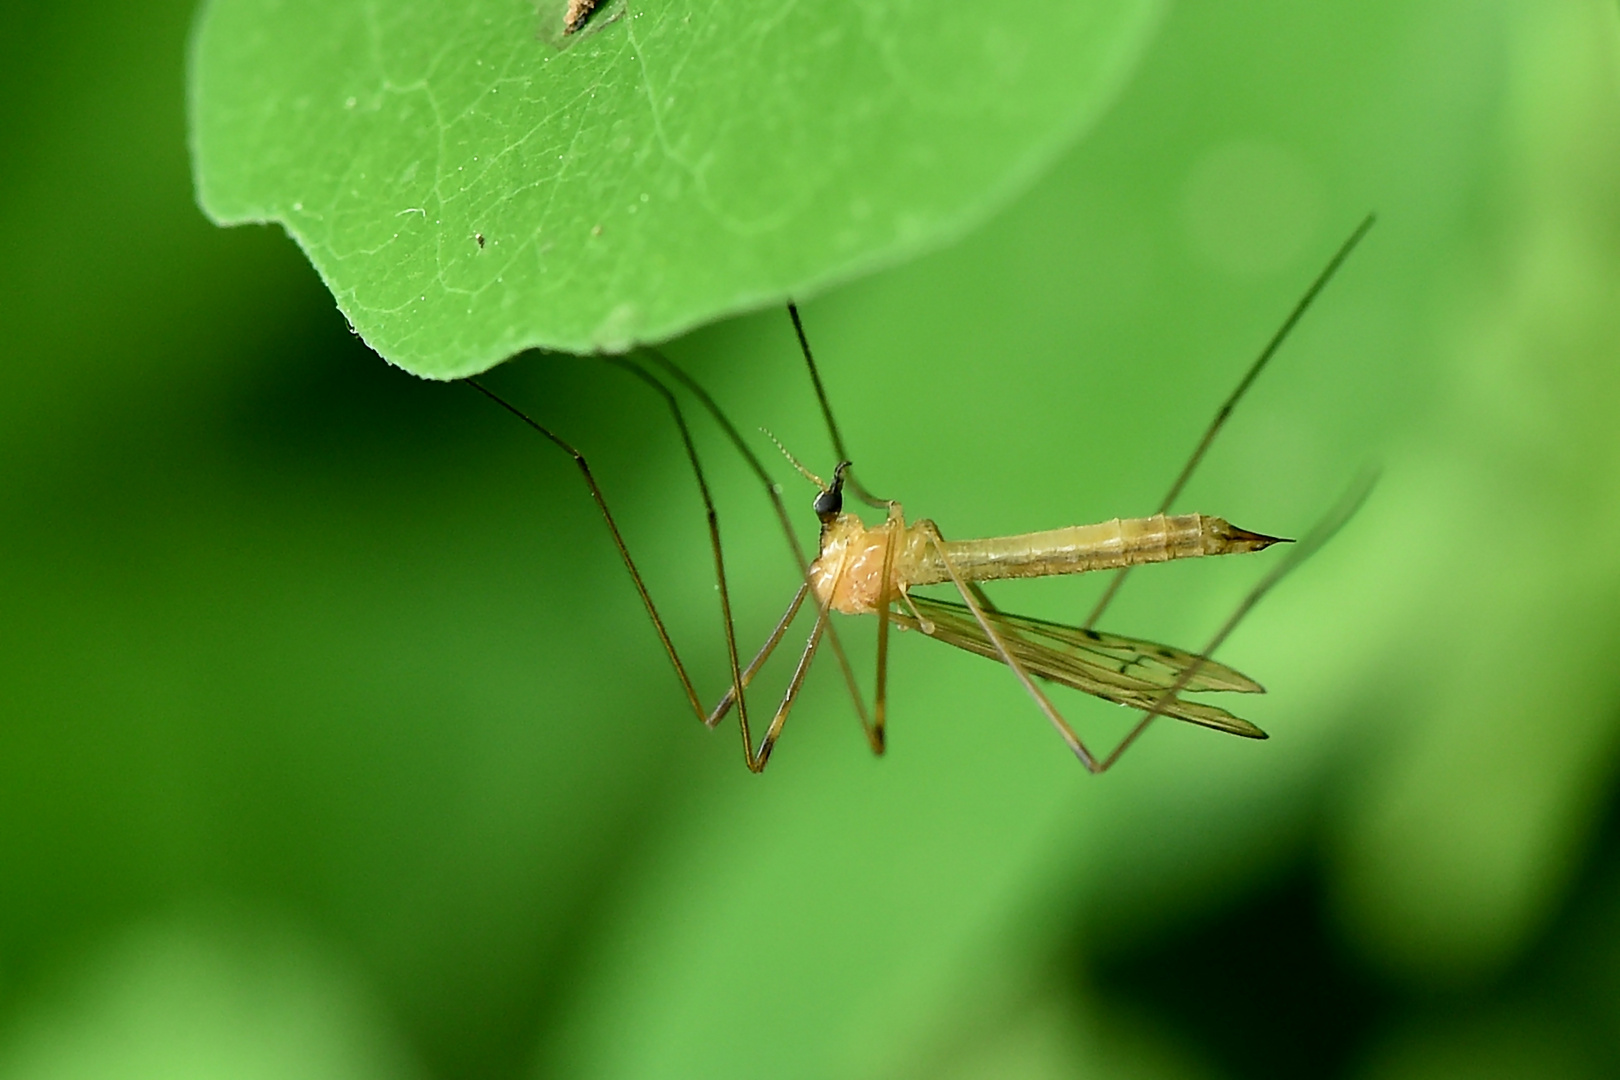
{"points": [[847, 575]]}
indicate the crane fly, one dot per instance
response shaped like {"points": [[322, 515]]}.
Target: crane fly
{"points": [[872, 570]]}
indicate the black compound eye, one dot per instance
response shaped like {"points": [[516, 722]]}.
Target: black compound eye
{"points": [[830, 502]]}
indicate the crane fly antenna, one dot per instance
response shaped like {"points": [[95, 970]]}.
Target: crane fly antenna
{"points": [[804, 472], [1236, 396], [827, 414]]}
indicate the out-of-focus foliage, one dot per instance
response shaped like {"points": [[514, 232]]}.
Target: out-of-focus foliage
{"points": [[336, 743], [470, 182]]}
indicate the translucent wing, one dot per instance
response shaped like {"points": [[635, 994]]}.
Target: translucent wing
{"points": [[1124, 670]]}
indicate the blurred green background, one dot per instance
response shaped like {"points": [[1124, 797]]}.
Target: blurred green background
{"points": [[335, 743]]}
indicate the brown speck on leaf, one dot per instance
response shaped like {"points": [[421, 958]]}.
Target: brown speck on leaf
{"points": [[478, 236], [578, 12]]}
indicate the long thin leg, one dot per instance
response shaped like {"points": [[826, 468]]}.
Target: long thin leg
{"points": [[762, 757], [1236, 396], [1323, 531], [771, 492], [895, 527], [618, 541], [764, 654], [1009, 659], [738, 681], [758, 759], [826, 413], [982, 596], [876, 730], [714, 539], [736, 695]]}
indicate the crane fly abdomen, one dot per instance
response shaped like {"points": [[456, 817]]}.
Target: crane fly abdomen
{"points": [[1077, 549], [847, 576]]}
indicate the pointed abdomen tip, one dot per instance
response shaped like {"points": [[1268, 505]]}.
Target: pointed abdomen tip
{"points": [[1244, 540]]}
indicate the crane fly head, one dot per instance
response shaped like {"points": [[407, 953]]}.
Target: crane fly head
{"points": [[830, 503]]}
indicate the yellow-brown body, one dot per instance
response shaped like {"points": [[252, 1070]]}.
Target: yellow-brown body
{"points": [[847, 575]]}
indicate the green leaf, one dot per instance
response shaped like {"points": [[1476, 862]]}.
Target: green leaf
{"points": [[470, 183]]}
